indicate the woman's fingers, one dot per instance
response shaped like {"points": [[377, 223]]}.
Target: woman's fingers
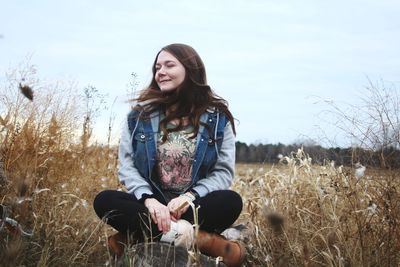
{"points": [[153, 215], [182, 210], [178, 206], [163, 219], [177, 214], [163, 215], [173, 218], [159, 213]]}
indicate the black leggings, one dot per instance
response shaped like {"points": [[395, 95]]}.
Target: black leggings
{"points": [[218, 210]]}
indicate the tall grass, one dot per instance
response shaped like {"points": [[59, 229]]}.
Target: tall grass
{"points": [[50, 175], [298, 213], [307, 215]]}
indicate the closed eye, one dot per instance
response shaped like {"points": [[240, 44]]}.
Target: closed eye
{"points": [[167, 63]]}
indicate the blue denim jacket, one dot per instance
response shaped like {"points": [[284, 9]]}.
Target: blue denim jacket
{"points": [[214, 159]]}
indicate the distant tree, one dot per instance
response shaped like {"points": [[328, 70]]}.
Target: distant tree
{"points": [[269, 153], [373, 125], [241, 151]]}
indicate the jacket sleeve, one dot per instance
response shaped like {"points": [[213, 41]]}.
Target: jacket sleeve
{"points": [[127, 172], [220, 178]]}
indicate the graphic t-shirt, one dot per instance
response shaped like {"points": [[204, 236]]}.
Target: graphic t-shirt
{"points": [[175, 158]]}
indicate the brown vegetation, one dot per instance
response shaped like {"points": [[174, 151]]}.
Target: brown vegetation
{"points": [[50, 175], [310, 215]]}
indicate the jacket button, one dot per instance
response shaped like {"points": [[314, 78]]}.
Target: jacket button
{"points": [[142, 136], [202, 140]]}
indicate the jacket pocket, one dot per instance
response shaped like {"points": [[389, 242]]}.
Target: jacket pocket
{"points": [[213, 145], [139, 143]]}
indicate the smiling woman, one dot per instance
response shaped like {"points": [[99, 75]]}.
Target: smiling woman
{"points": [[170, 73], [177, 150]]}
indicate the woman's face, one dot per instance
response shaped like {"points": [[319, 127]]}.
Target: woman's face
{"points": [[170, 73]]}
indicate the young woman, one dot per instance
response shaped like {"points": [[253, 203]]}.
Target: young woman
{"points": [[177, 148]]}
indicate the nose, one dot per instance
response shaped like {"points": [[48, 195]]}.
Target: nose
{"points": [[159, 74], [161, 71]]}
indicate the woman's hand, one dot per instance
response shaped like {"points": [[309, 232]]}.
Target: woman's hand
{"points": [[159, 213], [179, 205]]}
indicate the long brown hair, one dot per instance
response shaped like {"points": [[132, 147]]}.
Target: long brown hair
{"points": [[191, 99]]}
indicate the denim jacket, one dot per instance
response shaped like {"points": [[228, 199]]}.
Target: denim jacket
{"points": [[213, 164]]}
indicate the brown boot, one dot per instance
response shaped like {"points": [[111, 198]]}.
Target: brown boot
{"points": [[214, 245], [117, 244]]}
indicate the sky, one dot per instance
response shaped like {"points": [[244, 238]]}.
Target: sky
{"points": [[277, 63]]}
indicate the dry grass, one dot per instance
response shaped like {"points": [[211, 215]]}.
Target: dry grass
{"points": [[299, 214], [308, 215], [50, 178]]}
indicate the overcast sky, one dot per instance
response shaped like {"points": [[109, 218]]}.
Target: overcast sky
{"points": [[272, 60]]}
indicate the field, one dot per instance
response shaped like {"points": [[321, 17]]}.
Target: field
{"points": [[297, 213], [307, 215]]}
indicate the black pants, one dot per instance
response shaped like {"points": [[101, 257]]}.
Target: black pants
{"points": [[218, 210]]}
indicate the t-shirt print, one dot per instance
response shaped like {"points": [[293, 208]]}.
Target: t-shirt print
{"points": [[175, 158]]}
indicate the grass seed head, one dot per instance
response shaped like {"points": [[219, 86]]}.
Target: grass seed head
{"points": [[27, 91], [274, 220]]}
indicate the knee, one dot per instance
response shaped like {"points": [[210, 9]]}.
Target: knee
{"points": [[231, 197], [101, 200], [235, 200]]}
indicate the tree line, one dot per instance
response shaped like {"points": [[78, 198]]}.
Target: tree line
{"points": [[271, 153]]}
